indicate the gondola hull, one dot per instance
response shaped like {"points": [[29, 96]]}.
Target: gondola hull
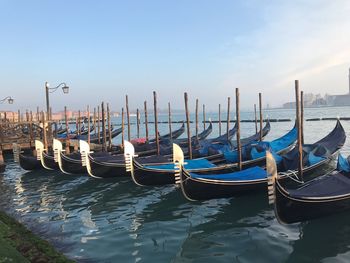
{"points": [[291, 210], [144, 176], [29, 162], [199, 189], [71, 164], [49, 162], [107, 170]]}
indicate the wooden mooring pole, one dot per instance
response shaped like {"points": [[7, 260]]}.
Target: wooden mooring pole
{"points": [[128, 116], [196, 118], [204, 124], [104, 134], [146, 120], [67, 131], [300, 146], [219, 119], [256, 122], [238, 134], [156, 121], [169, 120], [261, 118], [228, 118], [109, 127], [188, 126]]}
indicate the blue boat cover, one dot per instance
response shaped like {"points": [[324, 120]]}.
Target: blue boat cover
{"points": [[257, 149], [253, 173], [189, 165], [313, 159], [343, 164]]}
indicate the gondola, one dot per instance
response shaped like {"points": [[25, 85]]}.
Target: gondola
{"points": [[199, 186], [224, 143], [60, 130], [150, 147], [201, 136], [174, 135], [68, 163], [26, 159], [95, 139], [112, 164], [323, 196], [85, 130], [163, 173], [47, 160]]}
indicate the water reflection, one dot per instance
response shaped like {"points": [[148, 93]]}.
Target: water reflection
{"points": [[114, 220]]}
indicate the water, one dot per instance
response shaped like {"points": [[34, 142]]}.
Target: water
{"points": [[114, 220]]}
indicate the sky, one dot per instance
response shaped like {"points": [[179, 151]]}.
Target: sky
{"points": [[104, 50]]}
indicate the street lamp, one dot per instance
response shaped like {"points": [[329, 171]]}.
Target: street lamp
{"points": [[8, 99], [48, 90]]}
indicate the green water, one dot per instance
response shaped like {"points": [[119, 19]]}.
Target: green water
{"points": [[114, 220]]}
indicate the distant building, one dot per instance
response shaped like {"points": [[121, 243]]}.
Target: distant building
{"points": [[312, 100]]}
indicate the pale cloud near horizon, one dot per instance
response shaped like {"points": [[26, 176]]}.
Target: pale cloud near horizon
{"points": [[298, 40]]}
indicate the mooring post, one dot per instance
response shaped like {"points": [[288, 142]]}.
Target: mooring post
{"points": [[261, 118], [104, 140], [256, 122], [302, 116], [44, 131], [109, 127], [188, 127], [138, 123], [300, 146], [2, 162], [228, 118], [169, 120], [123, 128], [98, 124], [219, 119], [67, 130], [94, 119], [197, 119], [156, 121], [204, 124], [79, 123], [37, 114], [88, 116], [238, 119], [146, 120], [128, 116]]}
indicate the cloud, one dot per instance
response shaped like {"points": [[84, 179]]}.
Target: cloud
{"points": [[298, 40]]}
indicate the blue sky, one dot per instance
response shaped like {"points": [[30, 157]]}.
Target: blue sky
{"points": [[106, 49]]}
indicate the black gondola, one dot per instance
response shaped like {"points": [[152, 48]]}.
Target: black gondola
{"points": [[108, 164], [47, 160], [163, 173], [174, 135], [215, 185], [201, 136], [26, 158], [112, 164], [323, 196], [68, 163], [29, 162]]}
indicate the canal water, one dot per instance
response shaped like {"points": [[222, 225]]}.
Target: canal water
{"points": [[114, 220]]}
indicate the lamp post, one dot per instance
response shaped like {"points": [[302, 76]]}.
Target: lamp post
{"points": [[8, 99], [48, 90]]}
